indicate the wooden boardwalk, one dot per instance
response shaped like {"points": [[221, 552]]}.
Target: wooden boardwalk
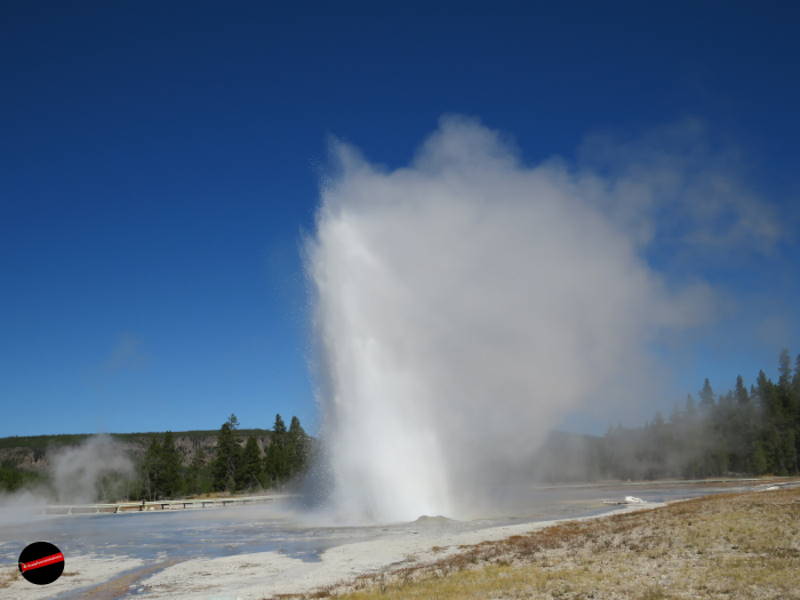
{"points": [[119, 507]]}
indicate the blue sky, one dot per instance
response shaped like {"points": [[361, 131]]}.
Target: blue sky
{"points": [[159, 163]]}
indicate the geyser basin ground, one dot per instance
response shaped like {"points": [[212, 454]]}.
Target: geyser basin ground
{"points": [[740, 546], [259, 551]]}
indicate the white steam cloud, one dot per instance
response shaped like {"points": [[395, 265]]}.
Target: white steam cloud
{"points": [[97, 468], [463, 306], [79, 472]]}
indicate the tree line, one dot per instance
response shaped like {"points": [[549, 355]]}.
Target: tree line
{"points": [[743, 431], [231, 466]]}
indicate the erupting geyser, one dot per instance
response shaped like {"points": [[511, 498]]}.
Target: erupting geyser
{"points": [[462, 306]]}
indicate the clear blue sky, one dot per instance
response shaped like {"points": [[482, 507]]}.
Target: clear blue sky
{"points": [[160, 161]]}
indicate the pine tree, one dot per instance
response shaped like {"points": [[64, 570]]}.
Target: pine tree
{"points": [[796, 376], [151, 470], [298, 447], [170, 466], [226, 461], [742, 397], [772, 420], [706, 398], [249, 475], [742, 429], [234, 421], [763, 392], [276, 460], [784, 370], [196, 474]]}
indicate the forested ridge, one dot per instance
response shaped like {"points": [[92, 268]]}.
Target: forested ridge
{"points": [[234, 460], [236, 464]]}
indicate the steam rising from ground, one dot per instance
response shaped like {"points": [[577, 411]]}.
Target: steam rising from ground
{"points": [[81, 473], [465, 304], [97, 468]]}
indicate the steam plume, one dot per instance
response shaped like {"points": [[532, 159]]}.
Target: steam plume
{"points": [[78, 472], [97, 468], [464, 305]]}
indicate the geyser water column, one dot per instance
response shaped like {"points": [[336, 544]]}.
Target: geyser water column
{"points": [[378, 430], [462, 306]]}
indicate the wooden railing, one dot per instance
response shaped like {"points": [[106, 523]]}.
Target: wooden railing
{"points": [[180, 504]]}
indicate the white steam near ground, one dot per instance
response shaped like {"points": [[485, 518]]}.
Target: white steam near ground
{"points": [[79, 474], [465, 304]]}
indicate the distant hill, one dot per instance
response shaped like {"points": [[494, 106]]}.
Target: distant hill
{"points": [[32, 452]]}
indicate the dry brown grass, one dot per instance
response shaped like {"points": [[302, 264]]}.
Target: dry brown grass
{"points": [[7, 576], [731, 546]]}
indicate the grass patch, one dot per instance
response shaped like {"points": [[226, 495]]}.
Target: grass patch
{"points": [[7, 576]]}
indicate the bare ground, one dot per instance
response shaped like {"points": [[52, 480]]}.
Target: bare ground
{"points": [[731, 546]]}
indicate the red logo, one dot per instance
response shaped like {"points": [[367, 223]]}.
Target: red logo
{"points": [[41, 562]]}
